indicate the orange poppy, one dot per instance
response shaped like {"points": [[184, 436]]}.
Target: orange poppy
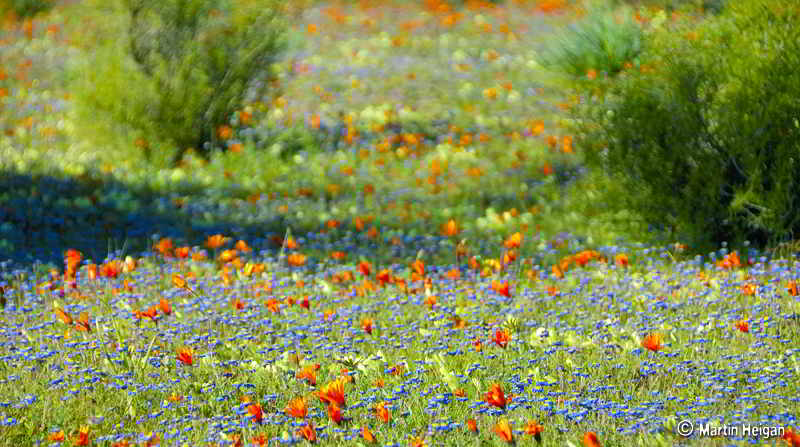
{"points": [[366, 324], [503, 430], [165, 306], [335, 413], [308, 432], [333, 392], [495, 396], [743, 326], [501, 338], [82, 324], [256, 411], [653, 342], [534, 429], [297, 408], [186, 355], [367, 434], [590, 440], [382, 413], [514, 241]]}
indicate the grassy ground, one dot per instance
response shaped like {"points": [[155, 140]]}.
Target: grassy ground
{"points": [[404, 119]]}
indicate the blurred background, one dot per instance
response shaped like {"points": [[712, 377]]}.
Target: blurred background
{"points": [[599, 121]]}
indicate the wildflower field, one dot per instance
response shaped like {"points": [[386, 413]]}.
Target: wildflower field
{"points": [[399, 243]]}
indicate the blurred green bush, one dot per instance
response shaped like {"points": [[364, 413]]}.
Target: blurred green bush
{"points": [[603, 41], [705, 137], [26, 8], [183, 67]]}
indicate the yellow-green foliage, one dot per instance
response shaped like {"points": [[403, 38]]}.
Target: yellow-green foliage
{"points": [[180, 69]]}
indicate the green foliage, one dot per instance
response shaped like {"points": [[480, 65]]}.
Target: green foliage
{"points": [[705, 138], [186, 67], [604, 41], [26, 8]]}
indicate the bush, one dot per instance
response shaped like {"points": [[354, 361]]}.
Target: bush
{"points": [[188, 65], [603, 41], [705, 138], [26, 8]]}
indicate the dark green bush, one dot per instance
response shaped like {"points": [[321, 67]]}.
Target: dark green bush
{"points": [[186, 67], [26, 8], [706, 140], [602, 41]]}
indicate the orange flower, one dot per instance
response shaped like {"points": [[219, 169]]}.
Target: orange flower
{"points": [[242, 246], [791, 287], [63, 316], [182, 252], [56, 436], [305, 304], [590, 440], [495, 396], [335, 413], [237, 304], [364, 267], [743, 326], [418, 267], [478, 344], [791, 438], [338, 255], [621, 260], [366, 324], [653, 342], [261, 440], [296, 259], [256, 411], [501, 338], [164, 246], [228, 255], [82, 324], [332, 392], [216, 241], [291, 244], [367, 434], [450, 228], [82, 437], [110, 269], [297, 408], [454, 274], [178, 281], [186, 355], [472, 425], [503, 430], [308, 432], [308, 373], [534, 429], [514, 241], [273, 305], [418, 442], [502, 288], [749, 289], [165, 306], [430, 301], [382, 412]]}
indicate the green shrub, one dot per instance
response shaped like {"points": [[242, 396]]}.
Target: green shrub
{"points": [[603, 41], [186, 66], [706, 138], [26, 8]]}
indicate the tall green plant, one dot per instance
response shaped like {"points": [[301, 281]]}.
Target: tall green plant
{"points": [[26, 8], [604, 41], [187, 66], [706, 139]]}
